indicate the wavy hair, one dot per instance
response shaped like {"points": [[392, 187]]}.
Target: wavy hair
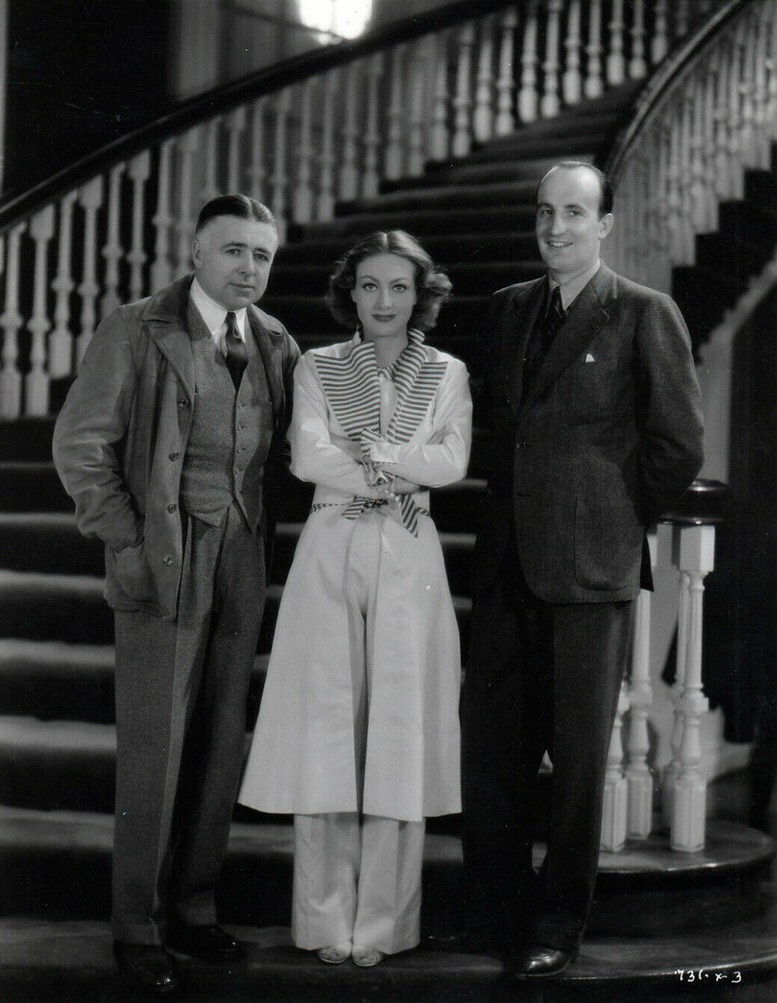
{"points": [[432, 285]]}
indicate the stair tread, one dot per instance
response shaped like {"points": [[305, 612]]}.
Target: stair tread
{"points": [[749, 945]]}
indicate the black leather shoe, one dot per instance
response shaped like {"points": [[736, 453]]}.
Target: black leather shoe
{"points": [[540, 962], [208, 943], [149, 965]]}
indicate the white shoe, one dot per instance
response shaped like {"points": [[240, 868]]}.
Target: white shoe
{"points": [[336, 954], [366, 957]]}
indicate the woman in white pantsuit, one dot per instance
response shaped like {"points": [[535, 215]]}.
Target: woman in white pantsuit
{"points": [[358, 732]]}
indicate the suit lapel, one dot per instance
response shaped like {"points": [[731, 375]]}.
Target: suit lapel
{"points": [[590, 313], [271, 357], [517, 323]]}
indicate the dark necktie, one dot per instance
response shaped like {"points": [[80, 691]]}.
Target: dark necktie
{"points": [[542, 337], [237, 356]]}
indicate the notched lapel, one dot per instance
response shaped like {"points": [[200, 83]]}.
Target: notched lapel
{"points": [[588, 316], [175, 344], [517, 323], [269, 348]]}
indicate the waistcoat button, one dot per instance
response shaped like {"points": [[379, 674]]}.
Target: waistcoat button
{"points": [[168, 559], [172, 508]]}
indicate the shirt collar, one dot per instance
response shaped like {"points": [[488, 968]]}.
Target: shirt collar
{"points": [[214, 314], [571, 290]]}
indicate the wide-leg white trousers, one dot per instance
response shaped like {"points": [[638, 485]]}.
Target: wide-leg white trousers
{"points": [[358, 877]]}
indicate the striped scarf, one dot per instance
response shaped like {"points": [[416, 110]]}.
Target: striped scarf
{"points": [[352, 389]]}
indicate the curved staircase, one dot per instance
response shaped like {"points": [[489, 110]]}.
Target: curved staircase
{"points": [[681, 926], [684, 926]]}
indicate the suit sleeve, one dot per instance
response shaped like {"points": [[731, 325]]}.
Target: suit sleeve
{"points": [[669, 414], [89, 433], [314, 455], [443, 460]]}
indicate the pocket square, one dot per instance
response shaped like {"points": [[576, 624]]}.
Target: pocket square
{"points": [[590, 358]]}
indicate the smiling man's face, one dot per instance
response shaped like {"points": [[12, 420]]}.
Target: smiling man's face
{"points": [[232, 259], [569, 227]]}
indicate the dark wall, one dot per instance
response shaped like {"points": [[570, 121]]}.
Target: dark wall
{"points": [[81, 73]]}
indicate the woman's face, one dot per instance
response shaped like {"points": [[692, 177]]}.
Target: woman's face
{"points": [[384, 295]]}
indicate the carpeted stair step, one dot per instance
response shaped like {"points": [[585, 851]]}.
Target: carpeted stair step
{"points": [[704, 295], [446, 249], [71, 608], [445, 197], [747, 221], [48, 542], [469, 279], [574, 144], [54, 681], [743, 258], [652, 893], [504, 167], [48, 962], [426, 222], [32, 487], [26, 440]]}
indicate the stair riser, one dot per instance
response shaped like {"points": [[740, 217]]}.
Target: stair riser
{"points": [[26, 488], [445, 250], [447, 200], [423, 224], [468, 280]]}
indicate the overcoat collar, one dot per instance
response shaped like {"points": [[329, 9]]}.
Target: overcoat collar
{"points": [[165, 318], [590, 312]]}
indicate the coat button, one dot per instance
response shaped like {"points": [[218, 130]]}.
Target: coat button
{"points": [[183, 402], [522, 445], [172, 508], [174, 456], [168, 559]]}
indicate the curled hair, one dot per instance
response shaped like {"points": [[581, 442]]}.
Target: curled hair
{"points": [[242, 206], [432, 285]]}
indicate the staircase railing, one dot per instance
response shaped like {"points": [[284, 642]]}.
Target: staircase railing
{"points": [[328, 126], [708, 115]]}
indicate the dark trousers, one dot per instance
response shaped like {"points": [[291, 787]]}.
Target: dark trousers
{"points": [[181, 691], [540, 677]]}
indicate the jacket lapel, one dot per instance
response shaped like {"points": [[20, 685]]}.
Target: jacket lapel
{"points": [[517, 322], [590, 313], [164, 317], [270, 349]]}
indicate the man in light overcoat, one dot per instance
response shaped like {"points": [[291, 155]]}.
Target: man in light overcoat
{"points": [[180, 406]]}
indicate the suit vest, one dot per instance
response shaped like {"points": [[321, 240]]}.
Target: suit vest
{"points": [[230, 433]]}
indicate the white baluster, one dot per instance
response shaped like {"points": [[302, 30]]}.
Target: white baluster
{"points": [[669, 555], [746, 88], [371, 177], [256, 170], [349, 173], [638, 777], [416, 119], [10, 321], [637, 64], [572, 82], [209, 154], [697, 559], [279, 179], [90, 198], [723, 186], [550, 104], [139, 171], [188, 147], [737, 175], [483, 118], [698, 190], [438, 131], [36, 382], [302, 202], [325, 203], [659, 43], [594, 85], [61, 338], [528, 98], [395, 116], [235, 126], [112, 251], [462, 103], [771, 84], [505, 118], [681, 12], [708, 152], [616, 63], [760, 58], [613, 834], [161, 269]]}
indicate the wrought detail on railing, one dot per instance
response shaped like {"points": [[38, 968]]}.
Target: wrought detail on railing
{"points": [[695, 134], [353, 115]]}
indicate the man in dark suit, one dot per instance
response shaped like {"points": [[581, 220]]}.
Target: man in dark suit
{"points": [[595, 427], [180, 404]]}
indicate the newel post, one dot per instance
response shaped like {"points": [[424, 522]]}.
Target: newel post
{"points": [[692, 524]]}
